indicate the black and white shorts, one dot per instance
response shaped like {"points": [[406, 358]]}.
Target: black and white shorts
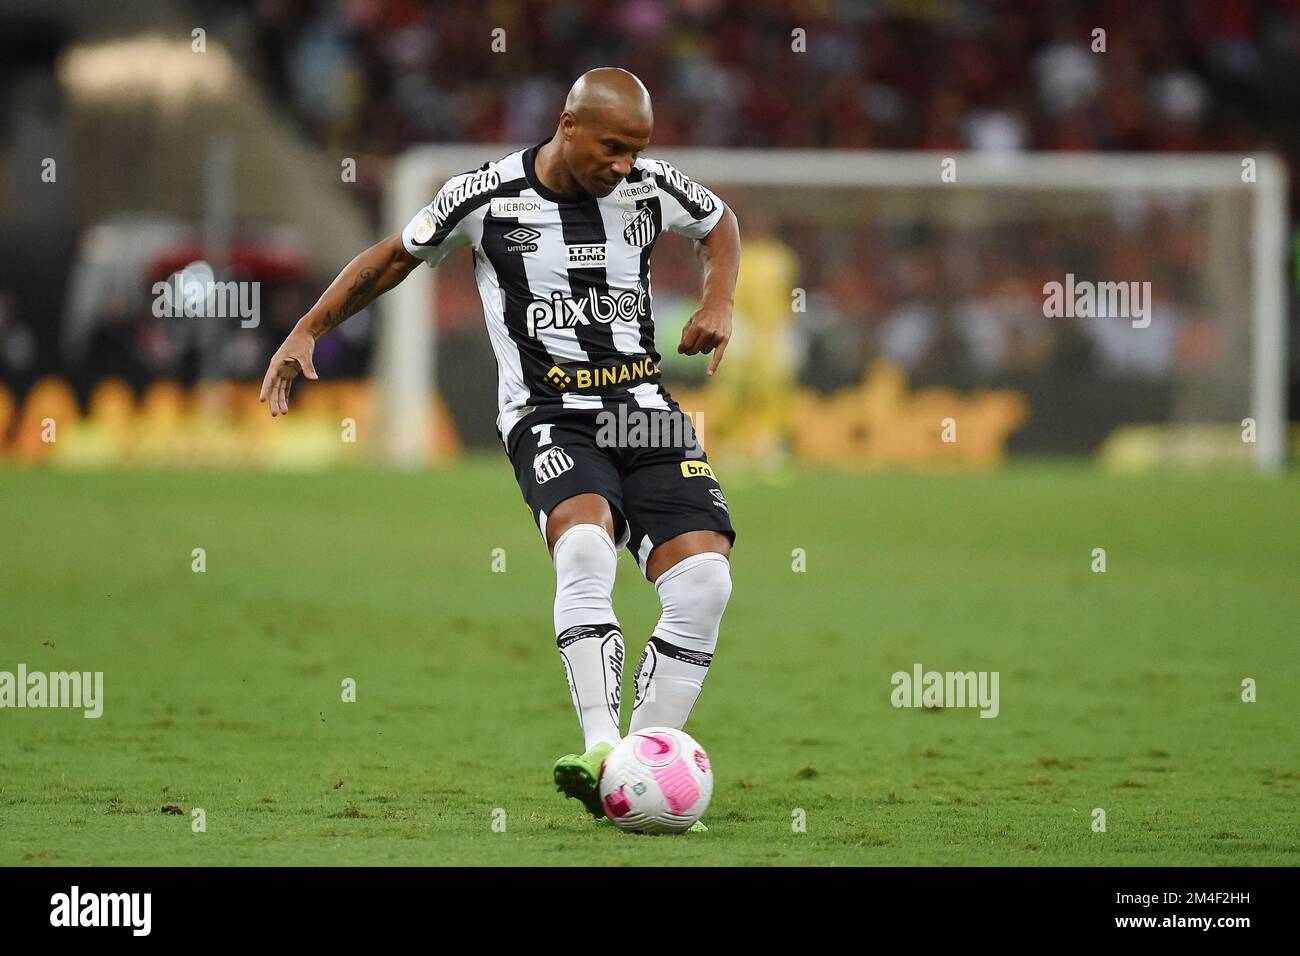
{"points": [[647, 463]]}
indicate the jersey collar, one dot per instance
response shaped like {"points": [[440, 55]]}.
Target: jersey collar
{"points": [[530, 173]]}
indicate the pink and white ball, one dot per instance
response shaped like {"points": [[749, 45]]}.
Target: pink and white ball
{"points": [[657, 780]]}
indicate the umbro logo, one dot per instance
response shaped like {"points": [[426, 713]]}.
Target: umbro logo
{"points": [[521, 239]]}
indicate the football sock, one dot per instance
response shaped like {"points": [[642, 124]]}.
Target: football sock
{"points": [[587, 632], [671, 672]]}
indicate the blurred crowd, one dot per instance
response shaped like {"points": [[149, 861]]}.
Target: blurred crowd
{"points": [[380, 75], [959, 301], [948, 74], [951, 303]]}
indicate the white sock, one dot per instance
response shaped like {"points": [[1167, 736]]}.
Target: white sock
{"points": [[671, 672], [587, 632]]}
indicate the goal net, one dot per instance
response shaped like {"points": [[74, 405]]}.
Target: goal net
{"points": [[1133, 305]]}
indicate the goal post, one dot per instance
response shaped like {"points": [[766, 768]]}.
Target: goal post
{"points": [[1232, 207]]}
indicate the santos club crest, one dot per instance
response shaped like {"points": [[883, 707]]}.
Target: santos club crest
{"points": [[551, 464], [640, 228]]}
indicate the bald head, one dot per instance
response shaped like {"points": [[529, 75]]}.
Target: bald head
{"points": [[607, 121], [611, 92]]}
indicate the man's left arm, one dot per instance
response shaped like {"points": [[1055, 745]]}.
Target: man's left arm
{"points": [[709, 329]]}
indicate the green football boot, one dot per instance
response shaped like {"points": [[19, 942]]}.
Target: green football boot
{"points": [[579, 777]]}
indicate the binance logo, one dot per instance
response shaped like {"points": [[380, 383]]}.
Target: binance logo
{"points": [[602, 376], [697, 469]]}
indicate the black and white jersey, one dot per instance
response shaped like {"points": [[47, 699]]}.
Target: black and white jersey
{"points": [[565, 281]]}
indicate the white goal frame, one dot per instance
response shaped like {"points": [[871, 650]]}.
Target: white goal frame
{"points": [[404, 359]]}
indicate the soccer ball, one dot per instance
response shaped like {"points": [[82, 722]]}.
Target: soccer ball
{"points": [[657, 780]]}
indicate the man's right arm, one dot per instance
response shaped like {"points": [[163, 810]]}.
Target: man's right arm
{"points": [[364, 279], [438, 228]]}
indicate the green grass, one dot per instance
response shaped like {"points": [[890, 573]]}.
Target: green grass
{"points": [[1118, 690]]}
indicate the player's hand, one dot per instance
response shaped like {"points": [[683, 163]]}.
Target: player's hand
{"points": [[294, 356], [709, 330]]}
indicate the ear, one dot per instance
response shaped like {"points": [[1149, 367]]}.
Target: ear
{"points": [[568, 125]]}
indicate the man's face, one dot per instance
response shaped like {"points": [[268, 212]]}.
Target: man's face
{"points": [[601, 150]]}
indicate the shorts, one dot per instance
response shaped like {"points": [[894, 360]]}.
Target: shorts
{"points": [[647, 463]]}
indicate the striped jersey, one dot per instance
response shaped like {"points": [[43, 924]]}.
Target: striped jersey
{"points": [[565, 281]]}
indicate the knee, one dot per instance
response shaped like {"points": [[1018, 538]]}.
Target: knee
{"points": [[584, 509], [585, 551], [699, 585]]}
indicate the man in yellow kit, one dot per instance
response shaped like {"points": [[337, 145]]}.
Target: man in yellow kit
{"points": [[756, 395]]}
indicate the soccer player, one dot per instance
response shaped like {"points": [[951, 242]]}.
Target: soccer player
{"points": [[562, 234]]}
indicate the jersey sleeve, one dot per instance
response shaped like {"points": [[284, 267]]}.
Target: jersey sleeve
{"points": [[441, 226], [687, 207]]}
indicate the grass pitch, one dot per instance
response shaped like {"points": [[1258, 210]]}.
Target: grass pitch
{"points": [[1119, 690]]}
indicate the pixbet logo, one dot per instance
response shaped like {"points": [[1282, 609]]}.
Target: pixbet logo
{"points": [[562, 312]]}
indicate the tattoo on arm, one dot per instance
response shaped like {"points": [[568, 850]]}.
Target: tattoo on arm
{"points": [[358, 294]]}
